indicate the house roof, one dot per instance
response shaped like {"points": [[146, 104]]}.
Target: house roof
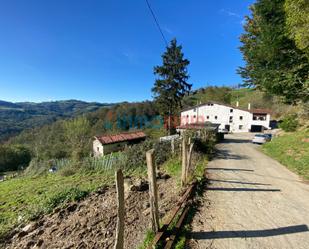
{"points": [[121, 137], [260, 111]]}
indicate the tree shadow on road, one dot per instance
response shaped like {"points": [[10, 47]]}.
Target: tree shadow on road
{"points": [[231, 169], [239, 182], [244, 189], [249, 233], [236, 141], [227, 155]]}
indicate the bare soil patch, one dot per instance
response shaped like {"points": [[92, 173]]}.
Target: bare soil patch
{"points": [[91, 223]]}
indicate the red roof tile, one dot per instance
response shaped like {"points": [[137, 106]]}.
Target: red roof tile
{"points": [[121, 137]]}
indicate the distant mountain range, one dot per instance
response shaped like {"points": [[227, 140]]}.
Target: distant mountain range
{"points": [[16, 117]]}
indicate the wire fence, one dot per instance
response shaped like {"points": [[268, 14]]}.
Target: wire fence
{"points": [[104, 163]]}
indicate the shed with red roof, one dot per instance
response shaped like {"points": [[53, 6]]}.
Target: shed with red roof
{"points": [[106, 144]]}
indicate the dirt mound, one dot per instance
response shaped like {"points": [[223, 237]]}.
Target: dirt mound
{"points": [[92, 222]]}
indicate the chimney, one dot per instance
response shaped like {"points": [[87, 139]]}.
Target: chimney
{"points": [[249, 106], [237, 104]]}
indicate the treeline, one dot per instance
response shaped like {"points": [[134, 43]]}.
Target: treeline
{"points": [[276, 49], [73, 138]]}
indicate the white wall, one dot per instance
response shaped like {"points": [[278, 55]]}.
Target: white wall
{"points": [[220, 114], [97, 148]]}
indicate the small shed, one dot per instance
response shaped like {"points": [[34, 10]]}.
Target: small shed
{"points": [[106, 144]]}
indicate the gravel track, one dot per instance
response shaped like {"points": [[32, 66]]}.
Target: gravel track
{"points": [[251, 201]]}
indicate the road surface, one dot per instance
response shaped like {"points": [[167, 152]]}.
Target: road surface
{"points": [[251, 201]]}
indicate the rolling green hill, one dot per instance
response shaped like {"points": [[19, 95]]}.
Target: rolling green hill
{"points": [[16, 117]]}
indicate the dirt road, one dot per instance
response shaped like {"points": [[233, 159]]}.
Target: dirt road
{"points": [[252, 201]]}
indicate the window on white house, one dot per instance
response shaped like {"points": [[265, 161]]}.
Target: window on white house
{"points": [[231, 119], [231, 110], [207, 117], [241, 117], [240, 127], [98, 149], [187, 116], [216, 117], [194, 109], [194, 116]]}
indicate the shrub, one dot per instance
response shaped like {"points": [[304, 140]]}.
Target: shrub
{"points": [[136, 154], [289, 123], [38, 167], [13, 157]]}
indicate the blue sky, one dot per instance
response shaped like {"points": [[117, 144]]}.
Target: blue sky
{"points": [[99, 50]]}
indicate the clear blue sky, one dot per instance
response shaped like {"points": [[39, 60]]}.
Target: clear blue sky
{"points": [[105, 50]]}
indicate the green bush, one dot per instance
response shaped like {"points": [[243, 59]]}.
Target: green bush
{"points": [[13, 157], [289, 123], [38, 167], [136, 154]]}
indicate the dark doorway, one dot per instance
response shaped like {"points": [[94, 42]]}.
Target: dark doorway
{"points": [[227, 127], [256, 128]]}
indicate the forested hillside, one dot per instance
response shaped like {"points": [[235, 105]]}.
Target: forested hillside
{"points": [[55, 140], [16, 117]]}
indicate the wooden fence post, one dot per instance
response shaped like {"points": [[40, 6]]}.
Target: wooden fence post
{"points": [[184, 161], [153, 192], [120, 215], [189, 158]]}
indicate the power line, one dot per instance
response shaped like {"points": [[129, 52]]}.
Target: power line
{"points": [[157, 23]]}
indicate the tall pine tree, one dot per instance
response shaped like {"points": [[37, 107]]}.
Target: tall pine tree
{"points": [[171, 84]]}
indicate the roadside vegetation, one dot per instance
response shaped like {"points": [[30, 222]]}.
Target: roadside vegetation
{"points": [[37, 191], [292, 150]]}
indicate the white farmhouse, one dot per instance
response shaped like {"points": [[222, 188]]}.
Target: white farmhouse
{"points": [[233, 119]]}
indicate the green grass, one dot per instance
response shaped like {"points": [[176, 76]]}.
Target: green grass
{"points": [[173, 167], [25, 198], [292, 150], [148, 239]]}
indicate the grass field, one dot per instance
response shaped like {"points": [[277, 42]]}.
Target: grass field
{"points": [[292, 150], [25, 198]]}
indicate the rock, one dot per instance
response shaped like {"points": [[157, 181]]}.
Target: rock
{"points": [[163, 176], [30, 227], [146, 211], [127, 186], [140, 185]]}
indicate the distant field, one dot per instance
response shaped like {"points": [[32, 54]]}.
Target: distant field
{"points": [[292, 150]]}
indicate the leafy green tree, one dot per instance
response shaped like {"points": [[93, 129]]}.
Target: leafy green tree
{"points": [[171, 85], [273, 62], [13, 157], [77, 133], [297, 21]]}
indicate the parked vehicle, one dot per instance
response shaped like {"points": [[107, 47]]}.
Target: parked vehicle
{"points": [[223, 130], [261, 138], [270, 136]]}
